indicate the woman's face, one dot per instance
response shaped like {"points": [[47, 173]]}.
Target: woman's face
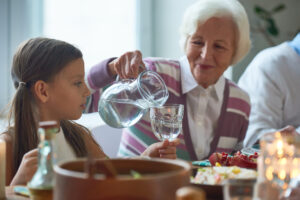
{"points": [[210, 50]]}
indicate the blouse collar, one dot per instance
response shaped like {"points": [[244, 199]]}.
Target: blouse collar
{"points": [[188, 81]]}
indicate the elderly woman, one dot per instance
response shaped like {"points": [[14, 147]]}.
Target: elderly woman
{"points": [[214, 35]]}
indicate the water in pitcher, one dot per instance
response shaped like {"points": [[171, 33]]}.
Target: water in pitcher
{"points": [[125, 102], [120, 113], [166, 129]]}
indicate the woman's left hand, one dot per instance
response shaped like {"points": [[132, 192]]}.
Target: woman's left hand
{"points": [[165, 149]]}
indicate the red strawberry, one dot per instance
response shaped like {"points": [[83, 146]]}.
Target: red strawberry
{"points": [[221, 158], [240, 160]]}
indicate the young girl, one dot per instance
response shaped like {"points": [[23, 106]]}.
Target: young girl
{"points": [[48, 76]]}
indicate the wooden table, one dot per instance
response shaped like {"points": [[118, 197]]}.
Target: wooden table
{"points": [[10, 195]]}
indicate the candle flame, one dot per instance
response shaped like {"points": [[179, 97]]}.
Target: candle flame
{"points": [[269, 173], [277, 135], [282, 161], [295, 173], [279, 148], [267, 161], [295, 161], [282, 174]]}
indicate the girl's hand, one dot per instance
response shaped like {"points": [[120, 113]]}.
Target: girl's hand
{"points": [[127, 65], [165, 149], [27, 168]]}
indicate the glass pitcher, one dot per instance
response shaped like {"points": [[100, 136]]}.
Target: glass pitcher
{"points": [[126, 101]]}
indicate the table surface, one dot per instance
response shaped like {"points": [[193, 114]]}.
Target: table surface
{"points": [[10, 195]]}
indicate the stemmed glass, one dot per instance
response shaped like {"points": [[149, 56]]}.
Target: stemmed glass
{"points": [[166, 121]]}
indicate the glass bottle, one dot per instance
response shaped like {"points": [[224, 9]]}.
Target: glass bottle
{"points": [[42, 182]]}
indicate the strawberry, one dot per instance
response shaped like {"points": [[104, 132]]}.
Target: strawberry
{"points": [[238, 159], [242, 160], [221, 158]]}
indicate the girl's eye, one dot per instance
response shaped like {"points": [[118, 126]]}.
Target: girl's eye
{"points": [[78, 84]]}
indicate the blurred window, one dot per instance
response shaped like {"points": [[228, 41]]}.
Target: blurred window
{"points": [[99, 28]]}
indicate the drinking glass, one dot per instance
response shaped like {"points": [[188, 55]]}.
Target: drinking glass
{"points": [[166, 121], [280, 161], [239, 189]]}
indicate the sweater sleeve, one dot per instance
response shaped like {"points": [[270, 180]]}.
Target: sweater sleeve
{"points": [[97, 78], [260, 80]]}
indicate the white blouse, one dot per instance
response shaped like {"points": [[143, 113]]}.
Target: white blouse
{"points": [[203, 108]]}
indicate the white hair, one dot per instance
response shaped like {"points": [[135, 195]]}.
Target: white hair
{"points": [[202, 10]]}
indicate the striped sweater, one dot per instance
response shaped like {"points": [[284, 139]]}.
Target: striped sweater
{"points": [[232, 123]]}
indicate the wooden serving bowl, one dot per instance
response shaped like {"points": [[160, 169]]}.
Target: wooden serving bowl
{"points": [[160, 178]]}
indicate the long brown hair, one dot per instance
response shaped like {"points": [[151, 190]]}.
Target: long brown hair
{"points": [[39, 59]]}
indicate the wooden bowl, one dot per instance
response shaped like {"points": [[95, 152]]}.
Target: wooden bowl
{"points": [[160, 178]]}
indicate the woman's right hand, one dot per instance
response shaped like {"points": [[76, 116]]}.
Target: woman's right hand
{"points": [[27, 168], [127, 65]]}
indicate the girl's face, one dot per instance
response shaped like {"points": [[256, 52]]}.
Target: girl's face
{"points": [[210, 50], [68, 92]]}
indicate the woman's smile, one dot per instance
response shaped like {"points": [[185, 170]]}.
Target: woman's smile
{"points": [[204, 66]]}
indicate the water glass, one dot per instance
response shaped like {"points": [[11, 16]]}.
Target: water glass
{"points": [[166, 121], [239, 189], [279, 162]]}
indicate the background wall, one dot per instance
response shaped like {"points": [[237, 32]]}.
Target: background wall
{"points": [[19, 20], [286, 20]]}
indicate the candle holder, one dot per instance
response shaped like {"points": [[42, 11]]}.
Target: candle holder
{"points": [[279, 162], [2, 169]]}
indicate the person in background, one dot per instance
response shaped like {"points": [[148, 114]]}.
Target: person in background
{"points": [[49, 76], [214, 35], [272, 81]]}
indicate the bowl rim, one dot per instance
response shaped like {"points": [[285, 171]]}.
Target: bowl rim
{"points": [[186, 167]]}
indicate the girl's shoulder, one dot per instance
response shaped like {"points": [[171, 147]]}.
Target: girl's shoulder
{"points": [[92, 147]]}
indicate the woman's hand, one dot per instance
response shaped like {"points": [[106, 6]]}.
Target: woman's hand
{"points": [[165, 149], [27, 168], [288, 130], [127, 65]]}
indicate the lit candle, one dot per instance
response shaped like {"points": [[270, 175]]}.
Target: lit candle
{"points": [[2, 169]]}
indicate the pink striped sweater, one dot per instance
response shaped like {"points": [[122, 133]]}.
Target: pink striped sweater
{"points": [[232, 123]]}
